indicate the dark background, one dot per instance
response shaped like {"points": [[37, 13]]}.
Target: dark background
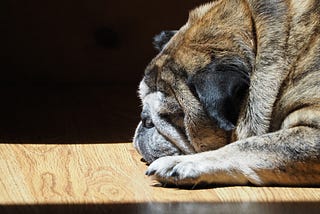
{"points": [[70, 68]]}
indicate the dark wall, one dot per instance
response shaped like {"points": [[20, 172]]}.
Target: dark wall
{"points": [[83, 41], [70, 68]]}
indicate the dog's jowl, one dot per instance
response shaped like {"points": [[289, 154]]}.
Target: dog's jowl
{"points": [[233, 97]]}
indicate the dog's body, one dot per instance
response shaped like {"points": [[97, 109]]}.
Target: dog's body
{"points": [[239, 85]]}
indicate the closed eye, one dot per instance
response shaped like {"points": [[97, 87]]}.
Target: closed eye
{"points": [[174, 118]]}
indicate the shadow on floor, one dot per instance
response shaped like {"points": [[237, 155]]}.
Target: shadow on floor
{"points": [[176, 207]]}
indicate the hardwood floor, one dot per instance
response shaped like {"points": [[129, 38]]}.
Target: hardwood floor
{"points": [[109, 178], [61, 152]]}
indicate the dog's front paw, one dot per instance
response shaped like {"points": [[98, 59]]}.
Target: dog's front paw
{"points": [[200, 169], [177, 170]]}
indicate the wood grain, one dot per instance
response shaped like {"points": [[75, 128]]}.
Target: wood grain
{"points": [[109, 174]]}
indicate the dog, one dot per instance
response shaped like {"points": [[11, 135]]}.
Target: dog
{"points": [[233, 97]]}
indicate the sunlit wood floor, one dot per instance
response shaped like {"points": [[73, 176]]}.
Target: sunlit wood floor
{"points": [[56, 157], [109, 178]]}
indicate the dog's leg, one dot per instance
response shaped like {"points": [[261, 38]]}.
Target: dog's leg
{"points": [[285, 157], [271, 68]]}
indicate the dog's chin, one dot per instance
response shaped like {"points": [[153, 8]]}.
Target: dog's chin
{"points": [[152, 145]]}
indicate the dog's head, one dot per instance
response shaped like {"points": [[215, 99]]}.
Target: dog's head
{"points": [[193, 89]]}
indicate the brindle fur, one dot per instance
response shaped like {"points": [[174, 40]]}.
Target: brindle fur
{"points": [[276, 140]]}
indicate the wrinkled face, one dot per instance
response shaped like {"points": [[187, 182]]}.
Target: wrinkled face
{"points": [[161, 131], [193, 89]]}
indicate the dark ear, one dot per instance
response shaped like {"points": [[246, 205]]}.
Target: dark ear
{"points": [[221, 90], [160, 40]]}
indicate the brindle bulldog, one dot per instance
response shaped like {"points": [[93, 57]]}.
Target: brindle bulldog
{"points": [[233, 97]]}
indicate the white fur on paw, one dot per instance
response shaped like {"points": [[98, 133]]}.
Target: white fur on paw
{"points": [[197, 169], [178, 170]]}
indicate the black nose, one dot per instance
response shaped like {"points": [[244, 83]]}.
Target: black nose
{"points": [[147, 123], [146, 120]]}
